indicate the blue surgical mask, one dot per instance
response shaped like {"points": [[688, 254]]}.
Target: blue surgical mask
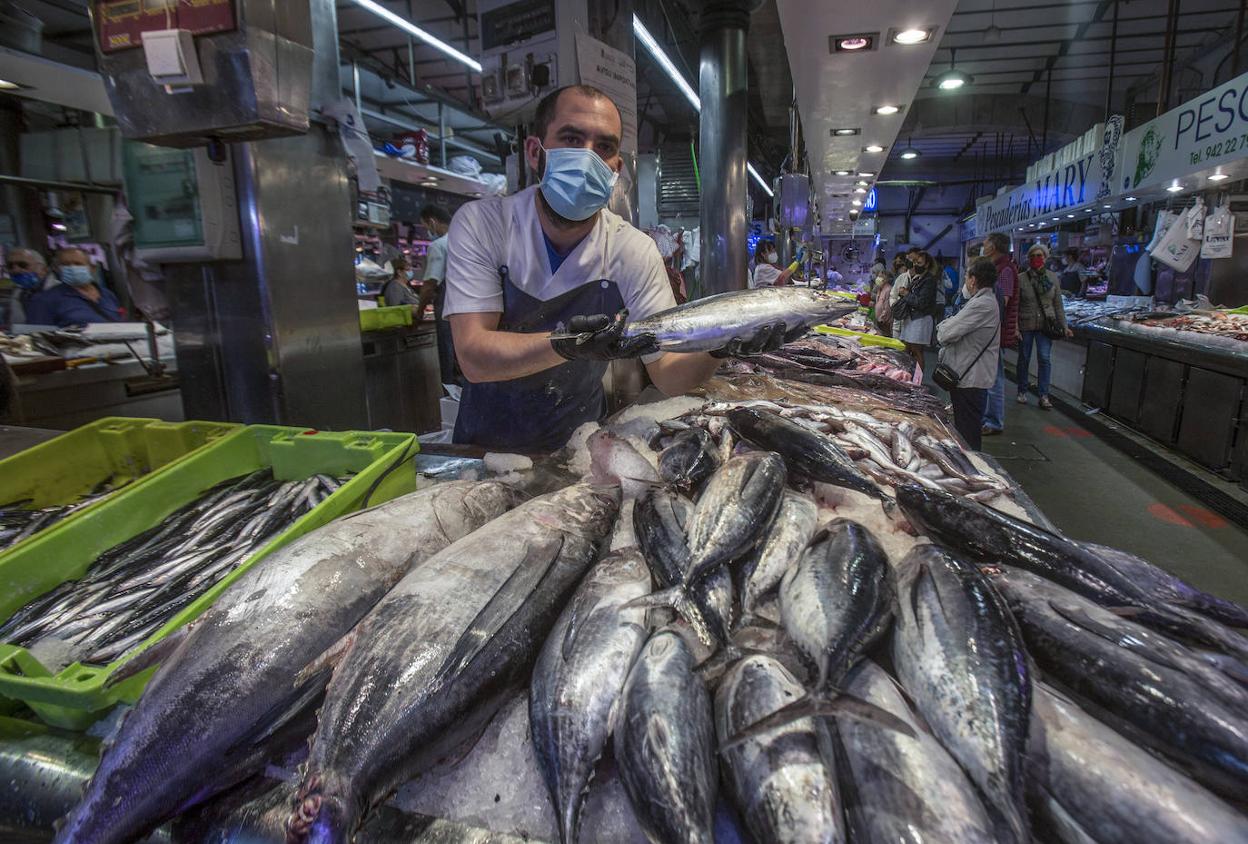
{"points": [[576, 182], [76, 276], [25, 280]]}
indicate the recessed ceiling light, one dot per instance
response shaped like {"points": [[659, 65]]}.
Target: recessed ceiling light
{"points": [[845, 131], [865, 175], [910, 37], [1174, 188], [1130, 199], [860, 190], [1056, 219], [1217, 177], [842, 172], [1087, 210], [873, 148], [856, 202], [1070, 216], [887, 109], [853, 43], [6, 85], [863, 184], [1107, 206]]}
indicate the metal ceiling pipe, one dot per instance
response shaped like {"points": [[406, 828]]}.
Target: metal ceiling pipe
{"points": [[722, 88]]}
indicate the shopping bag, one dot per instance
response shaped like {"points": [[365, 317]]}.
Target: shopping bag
{"points": [[1219, 233], [1164, 220], [1176, 249], [1196, 220]]}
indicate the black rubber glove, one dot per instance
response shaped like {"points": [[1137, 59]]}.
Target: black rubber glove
{"points": [[766, 339], [600, 337]]}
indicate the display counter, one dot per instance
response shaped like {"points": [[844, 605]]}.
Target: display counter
{"points": [[402, 384], [71, 397]]}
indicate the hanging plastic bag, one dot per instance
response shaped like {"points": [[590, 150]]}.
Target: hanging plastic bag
{"points": [[1164, 220], [1196, 220], [1176, 249], [1219, 232]]}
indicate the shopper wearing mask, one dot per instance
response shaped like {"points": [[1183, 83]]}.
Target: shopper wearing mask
{"points": [[969, 346], [1041, 319], [914, 309], [881, 303], [552, 256], [397, 290], [26, 271], [78, 299], [997, 249], [767, 269], [433, 289], [1075, 274]]}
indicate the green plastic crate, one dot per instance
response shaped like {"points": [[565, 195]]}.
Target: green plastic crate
{"points": [[379, 319], [61, 470], [74, 697]]}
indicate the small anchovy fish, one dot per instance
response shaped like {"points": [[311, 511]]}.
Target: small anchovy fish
{"points": [[711, 323]]}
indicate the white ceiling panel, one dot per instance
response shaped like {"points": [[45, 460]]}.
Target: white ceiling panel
{"points": [[841, 90]]}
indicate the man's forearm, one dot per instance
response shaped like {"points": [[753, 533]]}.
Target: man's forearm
{"points": [[503, 355], [675, 374]]}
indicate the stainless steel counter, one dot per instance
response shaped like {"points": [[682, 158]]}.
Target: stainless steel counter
{"points": [[73, 397]]}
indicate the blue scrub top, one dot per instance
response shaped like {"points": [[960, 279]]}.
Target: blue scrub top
{"points": [[62, 305]]}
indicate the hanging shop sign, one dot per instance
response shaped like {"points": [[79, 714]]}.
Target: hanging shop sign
{"points": [[1207, 133], [1066, 188], [614, 73]]}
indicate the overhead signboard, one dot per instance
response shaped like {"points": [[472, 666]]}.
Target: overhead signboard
{"points": [[1065, 189], [1206, 133]]}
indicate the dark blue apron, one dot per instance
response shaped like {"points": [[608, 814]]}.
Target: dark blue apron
{"points": [[540, 411]]}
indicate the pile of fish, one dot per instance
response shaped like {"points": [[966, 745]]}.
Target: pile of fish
{"points": [[996, 682], [1082, 311], [825, 443], [1215, 323], [18, 520], [134, 588]]}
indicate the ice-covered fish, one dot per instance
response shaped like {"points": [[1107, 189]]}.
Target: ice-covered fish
{"points": [[579, 676], [710, 323], [781, 549], [736, 508], [427, 668], [236, 676]]}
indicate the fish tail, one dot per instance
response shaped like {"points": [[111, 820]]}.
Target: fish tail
{"points": [[820, 704], [676, 598], [319, 815]]}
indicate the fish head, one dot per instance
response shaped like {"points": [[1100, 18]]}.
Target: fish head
{"points": [[953, 519]]}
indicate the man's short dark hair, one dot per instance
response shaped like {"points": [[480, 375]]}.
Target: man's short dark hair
{"points": [[1072, 253], [984, 272], [549, 105], [1000, 242], [436, 213]]}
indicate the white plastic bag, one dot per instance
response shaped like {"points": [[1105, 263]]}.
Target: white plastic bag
{"points": [[1219, 233], [1164, 220], [1176, 249], [1196, 220]]}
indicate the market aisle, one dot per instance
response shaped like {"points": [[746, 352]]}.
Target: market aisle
{"points": [[1093, 492]]}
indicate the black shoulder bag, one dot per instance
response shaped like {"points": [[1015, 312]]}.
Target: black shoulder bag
{"points": [[945, 376]]}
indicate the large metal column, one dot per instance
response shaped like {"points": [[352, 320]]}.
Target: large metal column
{"points": [[722, 89], [275, 337]]}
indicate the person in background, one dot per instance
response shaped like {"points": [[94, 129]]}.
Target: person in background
{"points": [[915, 308], [1039, 301], [901, 279], [997, 249], [432, 291], [78, 300], [969, 344], [767, 269], [1075, 274], [835, 277], [396, 290], [881, 306], [27, 271]]}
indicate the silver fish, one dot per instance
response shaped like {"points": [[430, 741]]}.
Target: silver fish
{"points": [[614, 460], [778, 779], [1112, 791], [429, 665], [782, 547], [579, 676], [665, 744], [230, 680], [960, 655], [901, 788], [735, 509], [709, 324]]}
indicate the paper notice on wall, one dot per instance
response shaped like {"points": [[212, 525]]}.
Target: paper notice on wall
{"points": [[615, 74]]}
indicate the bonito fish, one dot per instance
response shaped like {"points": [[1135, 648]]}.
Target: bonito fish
{"points": [[781, 549], [709, 324], [232, 680], [1091, 784], [430, 664], [578, 678], [960, 655]]}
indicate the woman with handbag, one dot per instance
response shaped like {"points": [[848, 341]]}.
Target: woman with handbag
{"points": [[1041, 320], [968, 351], [914, 309]]}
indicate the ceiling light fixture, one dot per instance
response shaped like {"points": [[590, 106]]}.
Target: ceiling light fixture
{"points": [[993, 32], [857, 43], [910, 153], [1174, 188], [860, 190], [952, 79], [856, 202], [842, 172], [865, 175], [1070, 216], [1217, 177], [873, 148], [1130, 199], [410, 28], [845, 131], [1107, 206], [887, 109], [656, 52], [910, 37]]}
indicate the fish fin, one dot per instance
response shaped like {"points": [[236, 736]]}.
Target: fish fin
{"points": [[290, 706], [528, 573], [1126, 612], [754, 620], [826, 705], [327, 660], [141, 660], [676, 599]]}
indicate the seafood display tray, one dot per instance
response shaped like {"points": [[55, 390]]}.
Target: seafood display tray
{"points": [[72, 698], [116, 448]]}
